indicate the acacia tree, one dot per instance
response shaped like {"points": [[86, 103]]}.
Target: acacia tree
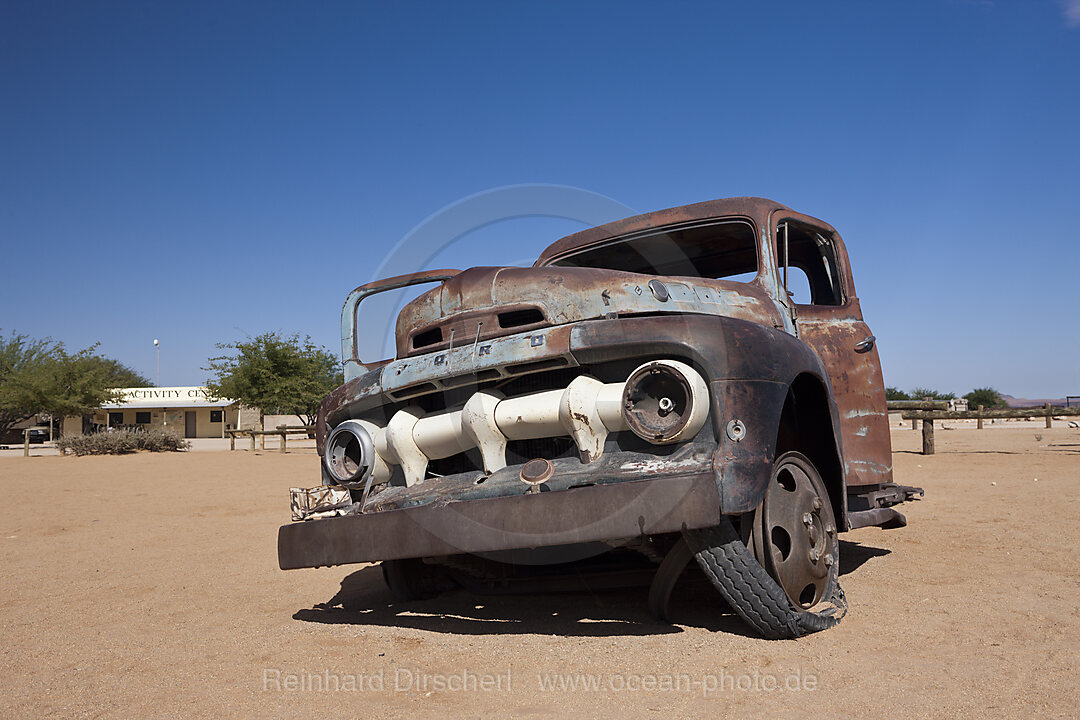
{"points": [[79, 383], [116, 373], [276, 374], [22, 364], [41, 376], [987, 397]]}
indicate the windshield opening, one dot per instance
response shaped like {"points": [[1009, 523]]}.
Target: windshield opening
{"points": [[722, 249]]}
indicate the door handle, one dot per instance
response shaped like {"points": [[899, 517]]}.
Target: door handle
{"points": [[866, 345]]}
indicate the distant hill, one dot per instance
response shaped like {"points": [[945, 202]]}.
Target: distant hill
{"points": [[1015, 402]]}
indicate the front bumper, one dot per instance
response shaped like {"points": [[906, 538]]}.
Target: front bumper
{"points": [[565, 517]]}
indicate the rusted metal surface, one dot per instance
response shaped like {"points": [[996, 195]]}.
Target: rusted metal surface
{"points": [[473, 306], [881, 517], [567, 473], [524, 520], [536, 472], [857, 387], [780, 375]]}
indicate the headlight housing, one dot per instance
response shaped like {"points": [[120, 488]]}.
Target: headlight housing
{"points": [[350, 454]]}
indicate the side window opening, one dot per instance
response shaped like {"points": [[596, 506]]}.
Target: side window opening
{"points": [[718, 250], [798, 286], [812, 272]]}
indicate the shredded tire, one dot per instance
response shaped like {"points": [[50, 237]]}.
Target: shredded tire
{"points": [[751, 591]]}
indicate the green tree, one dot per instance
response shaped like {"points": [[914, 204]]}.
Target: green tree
{"points": [[116, 373], [920, 393], [79, 383], [276, 374], [892, 393], [987, 397], [22, 364], [41, 376]]}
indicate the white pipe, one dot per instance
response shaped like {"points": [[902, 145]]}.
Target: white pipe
{"points": [[587, 411], [440, 436], [609, 403], [532, 416]]}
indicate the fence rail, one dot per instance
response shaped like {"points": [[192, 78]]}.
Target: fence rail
{"points": [[928, 417], [917, 405], [282, 431]]}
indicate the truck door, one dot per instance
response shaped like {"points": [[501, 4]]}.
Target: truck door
{"points": [[815, 272]]}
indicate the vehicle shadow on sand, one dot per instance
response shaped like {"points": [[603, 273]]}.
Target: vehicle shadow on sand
{"points": [[364, 599]]}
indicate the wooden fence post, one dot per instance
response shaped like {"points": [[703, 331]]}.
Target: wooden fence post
{"points": [[978, 425], [1049, 415], [252, 440], [283, 433], [927, 437], [914, 424], [232, 440], [262, 441], [26, 443]]}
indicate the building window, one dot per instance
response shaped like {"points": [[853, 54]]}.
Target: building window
{"points": [[116, 419], [215, 416], [142, 418]]}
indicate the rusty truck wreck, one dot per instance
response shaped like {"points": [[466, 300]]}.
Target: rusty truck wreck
{"points": [[651, 387]]}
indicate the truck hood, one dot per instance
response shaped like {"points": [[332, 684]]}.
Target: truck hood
{"points": [[487, 302]]}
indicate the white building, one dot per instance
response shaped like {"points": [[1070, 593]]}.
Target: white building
{"points": [[189, 411]]}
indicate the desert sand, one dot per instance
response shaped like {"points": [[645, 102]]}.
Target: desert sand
{"points": [[147, 586]]}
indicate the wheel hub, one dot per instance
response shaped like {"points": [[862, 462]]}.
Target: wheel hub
{"points": [[795, 536]]}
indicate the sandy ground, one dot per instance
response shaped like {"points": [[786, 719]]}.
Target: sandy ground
{"points": [[148, 586]]}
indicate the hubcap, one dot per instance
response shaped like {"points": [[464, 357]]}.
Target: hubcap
{"points": [[798, 531]]}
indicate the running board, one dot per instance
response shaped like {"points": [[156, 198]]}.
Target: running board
{"points": [[885, 518], [874, 507]]}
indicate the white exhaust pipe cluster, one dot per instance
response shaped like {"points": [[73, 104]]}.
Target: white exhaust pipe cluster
{"points": [[663, 401]]}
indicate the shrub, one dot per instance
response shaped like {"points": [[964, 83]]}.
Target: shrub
{"points": [[892, 393], [987, 397], [121, 442], [921, 393]]}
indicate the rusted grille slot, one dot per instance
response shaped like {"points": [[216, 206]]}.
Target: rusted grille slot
{"points": [[412, 391], [549, 364], [428, 337], [520, 318]]}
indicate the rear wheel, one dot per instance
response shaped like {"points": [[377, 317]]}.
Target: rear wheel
{"points": [[786, 560]]}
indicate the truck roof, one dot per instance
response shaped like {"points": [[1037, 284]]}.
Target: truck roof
{"points": [[754, 207]]}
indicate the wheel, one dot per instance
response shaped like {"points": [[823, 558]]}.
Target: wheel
{"points": [[413, 579], [787, 559], [794, 532]]}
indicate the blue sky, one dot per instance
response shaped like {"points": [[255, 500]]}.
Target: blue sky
{"points": [[196, 172]]}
